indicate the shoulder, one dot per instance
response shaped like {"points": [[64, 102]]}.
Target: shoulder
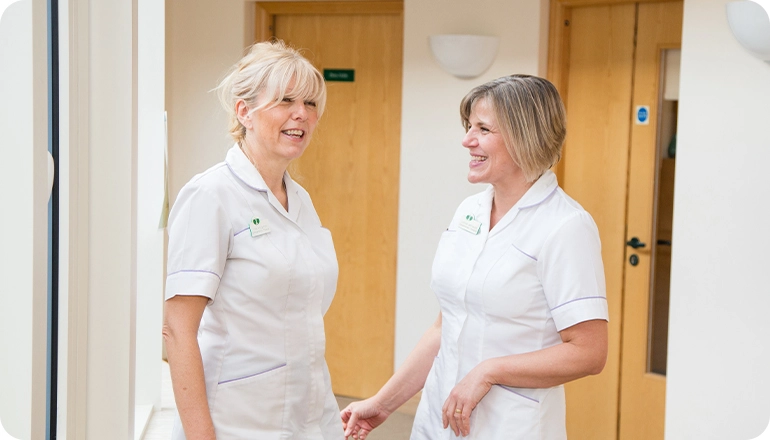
{"points": [[567, 225], [204, 190], [562, 211], [213, 180]]}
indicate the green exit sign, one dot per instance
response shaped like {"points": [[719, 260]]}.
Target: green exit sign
{"points": [[343, 75]]}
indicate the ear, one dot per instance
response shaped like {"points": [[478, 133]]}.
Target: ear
{"points": [[242, 111]]}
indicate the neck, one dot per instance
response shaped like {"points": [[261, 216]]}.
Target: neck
{"points": [[272, 171], [506, 195]]}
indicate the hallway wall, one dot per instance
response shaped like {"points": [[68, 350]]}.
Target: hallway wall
{"points": [[718, 386], [434, 165], [203, 39]]}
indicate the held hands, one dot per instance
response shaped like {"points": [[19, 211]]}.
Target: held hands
{"points": [[462, 400], [360, 418]]}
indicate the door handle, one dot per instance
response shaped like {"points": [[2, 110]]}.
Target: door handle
{"points": [[635, 243]]}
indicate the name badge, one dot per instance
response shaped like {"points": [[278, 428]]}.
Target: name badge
{"points": [[258, 227], [470, 224]]}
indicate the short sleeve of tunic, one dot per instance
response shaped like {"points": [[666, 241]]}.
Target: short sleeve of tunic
{"points": [[572, 274], [198, 241]]}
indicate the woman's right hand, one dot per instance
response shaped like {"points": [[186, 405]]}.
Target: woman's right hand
{"points": [[360, 418]]}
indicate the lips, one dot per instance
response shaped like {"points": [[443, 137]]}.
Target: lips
{"points": [[478, 158], [294, 133]]}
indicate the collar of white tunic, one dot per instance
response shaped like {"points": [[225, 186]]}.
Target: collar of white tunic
{"points": [[538, 193], [535, 195], [245, 171]]}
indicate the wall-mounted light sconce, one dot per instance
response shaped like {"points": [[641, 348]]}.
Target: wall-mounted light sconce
{"points": [[464, 56], [750, 22]]}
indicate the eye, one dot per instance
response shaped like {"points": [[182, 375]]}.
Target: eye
{"points": [[287, 99], [484, 130], [310, 104]]}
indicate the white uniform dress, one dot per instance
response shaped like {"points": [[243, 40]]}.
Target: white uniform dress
{"points": [[511, 291], [262, 333]]}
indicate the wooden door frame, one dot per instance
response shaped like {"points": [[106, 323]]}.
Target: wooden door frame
{"points": [[557, 70], [264, 17]]}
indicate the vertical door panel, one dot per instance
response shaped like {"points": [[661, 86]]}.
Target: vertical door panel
{"points": [[595, 172], [351, 170], [642, 396]]}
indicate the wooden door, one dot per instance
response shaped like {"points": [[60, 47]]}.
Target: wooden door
{"points": [[595, 173], [605, 59], [643, 391], [351, 170]]}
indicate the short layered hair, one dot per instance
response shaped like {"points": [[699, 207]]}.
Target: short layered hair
{"points": [[531, 118], [266, 71]]}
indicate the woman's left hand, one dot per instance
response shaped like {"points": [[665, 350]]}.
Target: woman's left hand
{"points": [[463, 398]]}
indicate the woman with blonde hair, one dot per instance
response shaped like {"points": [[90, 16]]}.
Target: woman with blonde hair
{"points": [[251, 271], [519, 279]]}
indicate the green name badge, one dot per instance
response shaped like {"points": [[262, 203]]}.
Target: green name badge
{"points": [[340, 75]]}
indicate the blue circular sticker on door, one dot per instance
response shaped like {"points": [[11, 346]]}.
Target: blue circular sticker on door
{"points": [[643, 114]]}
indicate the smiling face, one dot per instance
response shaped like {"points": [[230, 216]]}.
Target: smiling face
{"points": [[490, 160], [278, 132]]}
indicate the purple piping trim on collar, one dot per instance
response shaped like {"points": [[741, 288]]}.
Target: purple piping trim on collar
{"points": [[541, 200], [518, 394], [242, 230], [252, 375], [241, 179], [517, 248], [193, 270], [579, 299]]}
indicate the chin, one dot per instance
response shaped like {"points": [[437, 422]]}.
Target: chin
{"points": [[472, 178]]}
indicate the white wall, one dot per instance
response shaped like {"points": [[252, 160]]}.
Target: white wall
{"points": [[112, 217], [718, 364], [433, 163], [23, 226], [16, 230], [203, 39], [150, 197]]}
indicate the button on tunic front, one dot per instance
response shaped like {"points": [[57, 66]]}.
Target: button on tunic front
{"points": [[262, 334], [509, 291]]}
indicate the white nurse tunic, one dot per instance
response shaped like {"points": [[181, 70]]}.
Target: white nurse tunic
{"points": [[262, 333], [511, 291]]}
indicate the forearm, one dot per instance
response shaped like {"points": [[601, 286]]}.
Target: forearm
{"points": [[410, 377], [582, 353], [186, 365]]}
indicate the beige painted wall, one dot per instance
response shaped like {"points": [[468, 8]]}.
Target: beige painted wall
{"points": [[433, 163], [203, 39]]}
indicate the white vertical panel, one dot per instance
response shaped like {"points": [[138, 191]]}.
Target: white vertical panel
{"points": [[23, 225], [719, 355], [150, 197], [16, 191], [112, 152]]}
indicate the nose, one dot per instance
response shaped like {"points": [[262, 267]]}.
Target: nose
{"points": [[469, 140], [299, 112]]}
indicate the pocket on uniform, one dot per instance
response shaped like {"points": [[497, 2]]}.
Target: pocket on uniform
{"points": [[251, 406], [506, 412]]}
